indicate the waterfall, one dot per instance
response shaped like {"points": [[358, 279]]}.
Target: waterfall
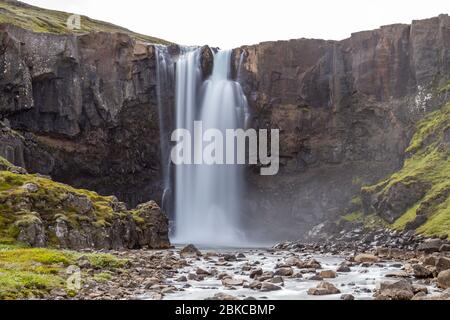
{"points": [[208, 197]]}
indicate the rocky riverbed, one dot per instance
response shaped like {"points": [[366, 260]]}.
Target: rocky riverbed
{"points": [[287, 271]]}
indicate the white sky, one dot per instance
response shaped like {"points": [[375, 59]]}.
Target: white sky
{"points": [[232, 23]]}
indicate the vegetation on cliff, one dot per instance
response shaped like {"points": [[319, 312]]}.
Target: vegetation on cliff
{"points": [[417, 197], [50, 21]]}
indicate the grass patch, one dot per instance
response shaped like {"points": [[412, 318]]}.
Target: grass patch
{"points": [[33, 272], [50, 21], [353, 217]]}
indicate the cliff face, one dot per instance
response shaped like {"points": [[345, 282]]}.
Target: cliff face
{"points": [[87, 107], [345, 111], [90, 102]]}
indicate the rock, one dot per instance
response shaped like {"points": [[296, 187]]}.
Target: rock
{"points": [[315, 277], [277, 280], [445, 248], [347, 297], [240, 255], [223, 275], [192, 276], [430, 246], [343, 268], [229, 257], [443, 279], [255, 285], [395, 290], [181, 279], [442, 264], [267, 286], [292, 261], [223, 297], [202, 272], [256, 273], [366, 258], [190, 251], [323, 288], [229, 282], [397, 274], [430, 261], [327, 274], [421, 272], [284, 272], [83, 262], [30, 187], [81, 203], [419, 288]]}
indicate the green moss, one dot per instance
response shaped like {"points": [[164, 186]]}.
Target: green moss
{"points": [[103, 277], [32, 272], [49, 21], [106, 261]]}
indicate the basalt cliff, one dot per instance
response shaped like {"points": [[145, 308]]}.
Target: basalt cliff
{"points": [[85, 110]]}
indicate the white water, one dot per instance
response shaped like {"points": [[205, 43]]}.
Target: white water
{"points": [[208, 197]]}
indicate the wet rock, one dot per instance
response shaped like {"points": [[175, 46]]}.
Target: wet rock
{"points": [[394, 290], [83, 262], [419, 288], [267, 286], [285, 272], [255, 285], [181, 279], [192, 276], [190, 251], [315, 277], [442, 264], [30, 187], [323, 288], [366, 258], [256, 273], [397, 274], [421, 272], [223, 275], [292, 262], [343, 268], [430, 261], [229, 257], [223, 297], [445, 248], [327, 274], [229, 282], [202, 272], [443, 279], [266, 276], [241, 255], [347, 297]]}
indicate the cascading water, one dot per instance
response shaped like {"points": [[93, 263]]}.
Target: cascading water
{"points": [[208, 197]]}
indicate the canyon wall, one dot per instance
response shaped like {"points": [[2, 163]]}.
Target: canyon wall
{"points": [[87, 108]]}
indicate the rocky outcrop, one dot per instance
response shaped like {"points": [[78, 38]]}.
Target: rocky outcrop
{"points": [[86, 105], [345, 111]]}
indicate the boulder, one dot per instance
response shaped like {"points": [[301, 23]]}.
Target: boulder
{"points": [[230, 282], [347, 297], [284, 272], [421, 272], [323, 288], [430, 246], [442, 264], [343, 268], [395, 290]]}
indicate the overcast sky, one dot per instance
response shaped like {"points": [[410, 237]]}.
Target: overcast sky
{"points": [[232, 23]]}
